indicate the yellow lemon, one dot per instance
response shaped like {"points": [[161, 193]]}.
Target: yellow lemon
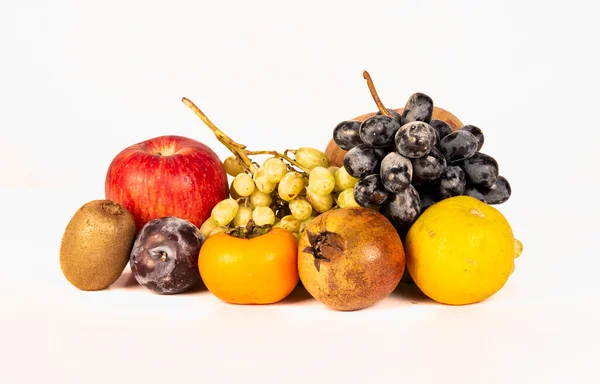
{"points": [[460, 251]]}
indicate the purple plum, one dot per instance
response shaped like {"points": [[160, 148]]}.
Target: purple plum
{"points": [[164, 257]]}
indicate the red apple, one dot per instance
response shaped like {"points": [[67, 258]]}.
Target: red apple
{"points": [[167, 176]]}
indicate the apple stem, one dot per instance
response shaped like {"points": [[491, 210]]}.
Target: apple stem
{"points": [[374, 94], [239, 150]]}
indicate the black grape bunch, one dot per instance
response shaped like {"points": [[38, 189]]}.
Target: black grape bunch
{"points": [[407, 162]]}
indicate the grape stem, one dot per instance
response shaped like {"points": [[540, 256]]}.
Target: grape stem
{"points": [[282, 156], [239, 150], [374, 94]]}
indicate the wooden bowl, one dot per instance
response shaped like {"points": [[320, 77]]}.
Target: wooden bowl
{"points": [[336, 154]]}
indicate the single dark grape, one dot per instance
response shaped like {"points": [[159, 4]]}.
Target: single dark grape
{"points": [[378, 131], [360, 161], [395, 115], [499, 192], [401, 229], [496, 194], [346, 135], [473, 191], [396, 172], [427, 200], [442, 129], [403, 207], [419, 107], [415, 139], [369, 191], [452, 182], [458, 145], [478, 133], [481, 170], [430, 166]]}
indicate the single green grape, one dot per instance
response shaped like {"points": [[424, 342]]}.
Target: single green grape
{"points": [[320, 203], [262, 183], [290, 186], [300, 208], [343, 180], [274, 168], [346, 198], [243, 184], [518, 248], [311, 157], [224, 211], [243, 216], [260, 199], [208, 226], [221, 228], [321, 181], [290, 223], [263, 216], [233, 166]]}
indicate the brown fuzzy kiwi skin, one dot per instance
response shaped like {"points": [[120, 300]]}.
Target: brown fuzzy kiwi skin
{"points": [[96, 244]]}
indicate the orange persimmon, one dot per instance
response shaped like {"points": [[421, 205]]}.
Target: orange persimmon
{"points": [[258, 270]]}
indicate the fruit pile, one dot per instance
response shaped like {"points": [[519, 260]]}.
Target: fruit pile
{"points": [[413, 193], [274, 194], [405, 162]]}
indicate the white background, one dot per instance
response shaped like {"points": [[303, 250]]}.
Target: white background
{"points": [[79, 81]]}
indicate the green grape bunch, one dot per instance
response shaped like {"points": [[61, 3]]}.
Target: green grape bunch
{"points": [[287, 190]]}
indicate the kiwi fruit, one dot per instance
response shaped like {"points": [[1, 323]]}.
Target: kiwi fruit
{"points": [[96, 244]]}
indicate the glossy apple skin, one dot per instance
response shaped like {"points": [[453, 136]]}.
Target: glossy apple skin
{"points": [[167, 176]]}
